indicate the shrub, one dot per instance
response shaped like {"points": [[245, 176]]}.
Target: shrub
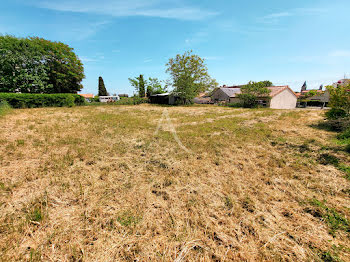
{"points": [[235, 105], [344, 135], [78, 100], [337, 125], [335, 113], [327, 159], [347, 148], [4, 107], [132, 101], [41, 100]]}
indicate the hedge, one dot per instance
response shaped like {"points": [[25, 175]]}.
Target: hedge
{"points": [[16, 100]]}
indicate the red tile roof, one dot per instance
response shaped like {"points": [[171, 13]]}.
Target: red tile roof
{"points": [[87, 95], [275, 90]]}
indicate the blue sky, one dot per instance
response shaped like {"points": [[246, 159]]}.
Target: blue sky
{"points": [[286, 42]]}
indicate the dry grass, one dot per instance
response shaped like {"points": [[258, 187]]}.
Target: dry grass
{"points": [[96, 184]]}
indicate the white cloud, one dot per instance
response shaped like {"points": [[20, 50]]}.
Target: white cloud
{"points": [[147, 60], [213, 58], [340, 53], [276, 17], [120, 8], [81, 31], [85, 59]]}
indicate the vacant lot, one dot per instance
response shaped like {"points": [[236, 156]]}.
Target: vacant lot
{"points": [[97, 184]]}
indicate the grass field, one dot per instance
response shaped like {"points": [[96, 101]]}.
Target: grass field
{"points": [[96, 183]]}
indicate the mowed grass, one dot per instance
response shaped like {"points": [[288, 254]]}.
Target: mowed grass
{"points": [[100, 184]]}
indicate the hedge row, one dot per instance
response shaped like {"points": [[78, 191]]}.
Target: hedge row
{"points": [[41, 100]]}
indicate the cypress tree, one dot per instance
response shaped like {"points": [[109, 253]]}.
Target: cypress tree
{"points": [[101, 87], [142, 90]]}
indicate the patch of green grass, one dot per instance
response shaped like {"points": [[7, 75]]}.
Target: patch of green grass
{"points": [[346, 170], [128, 219], [333, 219], [4, 108], [36, 214], [37, 211], [20, 142], [326, 256], [328, 159]]}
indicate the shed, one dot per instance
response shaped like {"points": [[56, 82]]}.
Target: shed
{"points": [[165, 99]]}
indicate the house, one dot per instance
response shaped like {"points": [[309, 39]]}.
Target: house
{"points": [[342, 82], [108, 99], [88, 97], [224, 94], [123, 95], [165, 99], [313, 97], [280, 97], [319, 99], [203, 98]]}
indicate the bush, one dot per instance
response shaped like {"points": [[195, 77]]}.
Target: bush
{"points": [[78, 100], [344, 135], [41, 100], [132, 101], [347, 148], [335, 113], [235, 105], [337, 125], [4, 107]]}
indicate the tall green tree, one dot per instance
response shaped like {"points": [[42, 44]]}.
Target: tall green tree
{"points": [[154, 86], [36, 65], [139, 83], [253, 91], [189, 76], [102, 91], [142, 89]]}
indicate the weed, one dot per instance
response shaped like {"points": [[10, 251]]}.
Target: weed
{"points": [[4, 108], [248, 204], [335, 220], [128, 219], [34, 255], [20, 142], [345, 169], [228, 202], [327, 159], [37, 211]]}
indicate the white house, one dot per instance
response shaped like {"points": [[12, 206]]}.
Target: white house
{"points": [[280, 97], [108, 99]]}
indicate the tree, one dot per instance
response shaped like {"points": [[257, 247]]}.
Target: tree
{"points": [[189, 76], [139, 84], [36, 65], [102, 91], [142, 90], [251, 92], [340, 98], [154, 86]]}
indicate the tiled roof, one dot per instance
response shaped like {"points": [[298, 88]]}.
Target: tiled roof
{"points": [[231, 92], [87, 95], [275, 90]]}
